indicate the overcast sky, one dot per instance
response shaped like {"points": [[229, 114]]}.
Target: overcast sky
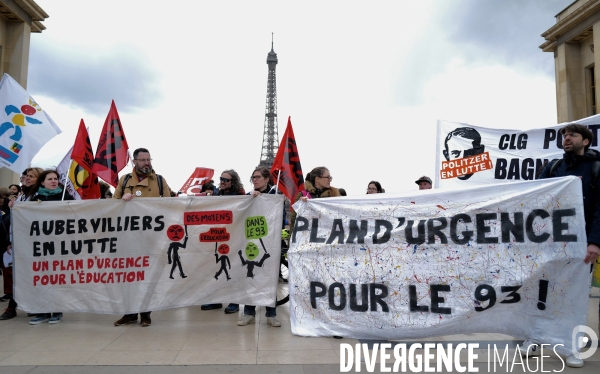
{"points": [[363, 82]]}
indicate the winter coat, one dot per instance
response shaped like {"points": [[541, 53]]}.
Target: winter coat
{"points": [[268, 190], [231, 192], [314, 194], [582, 166], [57, 197], [147, 187]]}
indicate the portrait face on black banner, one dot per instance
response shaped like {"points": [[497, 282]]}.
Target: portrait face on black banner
{"points": [[463, 142]]}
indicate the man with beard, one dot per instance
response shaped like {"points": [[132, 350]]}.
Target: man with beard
{"points": [[142, 182], [580, 161]]}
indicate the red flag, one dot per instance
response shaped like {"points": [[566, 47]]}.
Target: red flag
{"points": [[199, 177], [82, 149], [287, 164], [85, 184], [111, 154], [81, 175]]}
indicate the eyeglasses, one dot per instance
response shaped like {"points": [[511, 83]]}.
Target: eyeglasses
{"points": [[143, 159], [327, 177], [226, 180], [255, 177]]}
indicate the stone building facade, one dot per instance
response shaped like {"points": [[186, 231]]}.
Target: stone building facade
{"points": [[572, 40], [18, 19]]}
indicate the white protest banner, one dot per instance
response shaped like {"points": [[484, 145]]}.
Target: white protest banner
{"points": [[24, 126], [63, 171], [112, 256], [442, 262], [469, 155]]}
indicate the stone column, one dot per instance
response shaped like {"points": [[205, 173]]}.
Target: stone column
{"points": [[570, 83], [16, 63], [596, 38]]}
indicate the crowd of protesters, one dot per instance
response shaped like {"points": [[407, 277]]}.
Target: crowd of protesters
{"points": [[43, 185], [37, 184]]}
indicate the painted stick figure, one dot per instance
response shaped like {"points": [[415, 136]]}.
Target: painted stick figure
{"points": [[175, 232], [252, 253], [223, 250]]}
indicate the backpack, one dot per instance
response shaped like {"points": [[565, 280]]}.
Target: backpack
{"points": [[595, 170], [159, 180]]}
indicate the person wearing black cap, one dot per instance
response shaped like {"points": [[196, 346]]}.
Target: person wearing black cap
{"points": [[424, 183]]}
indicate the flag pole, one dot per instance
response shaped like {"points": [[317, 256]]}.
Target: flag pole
{"points": [[278, 176], [66, 178]]}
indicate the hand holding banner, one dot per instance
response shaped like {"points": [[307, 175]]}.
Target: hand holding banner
{"points": [[112, 257]]}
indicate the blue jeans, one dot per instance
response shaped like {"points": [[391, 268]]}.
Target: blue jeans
{"points": [[251, 311]]}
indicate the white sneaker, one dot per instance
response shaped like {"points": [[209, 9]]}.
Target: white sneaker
{"points": [[248, 319], [574, 362], [273, 322], [529, 348]]}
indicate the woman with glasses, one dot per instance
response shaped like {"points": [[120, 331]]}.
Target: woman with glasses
{"points": [[374, 187], [316, 185], [230, 184], [261, 179]]}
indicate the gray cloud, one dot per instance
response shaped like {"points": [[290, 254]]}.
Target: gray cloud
{"points": [[507, 31], [91, 78], [481, 32]]}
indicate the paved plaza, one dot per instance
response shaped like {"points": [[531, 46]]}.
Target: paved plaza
{"points": [[189, 340]]}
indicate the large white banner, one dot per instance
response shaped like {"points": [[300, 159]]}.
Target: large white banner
{"points": [[469, 155], [442, 262], [112, 256]]}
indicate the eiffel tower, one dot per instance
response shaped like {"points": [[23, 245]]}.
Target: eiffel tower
{"points": [[270, 142]]}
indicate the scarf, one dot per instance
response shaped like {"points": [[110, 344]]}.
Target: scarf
{"points": [[142, 176], [46, 192]]}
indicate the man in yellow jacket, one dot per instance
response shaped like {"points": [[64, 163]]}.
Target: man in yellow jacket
{"points": [[142, 182]]}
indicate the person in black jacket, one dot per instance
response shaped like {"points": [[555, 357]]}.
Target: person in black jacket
{"points": [[29, 179], [230, 185], [11, 310], [579, 161], [261, 179], [49, 189]]}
